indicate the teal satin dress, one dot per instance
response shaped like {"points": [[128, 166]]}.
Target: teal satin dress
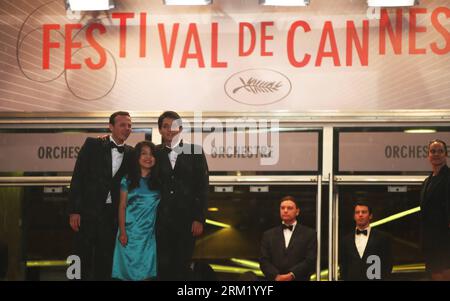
{"points": [[137, 260]]}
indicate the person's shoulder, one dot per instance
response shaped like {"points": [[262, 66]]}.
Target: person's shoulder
{"points": [[446, 170], [379, 235], [349, 236], [93, 142], [159, 147], [271, 231], [194, 148], [306, 229], [346, 242]]}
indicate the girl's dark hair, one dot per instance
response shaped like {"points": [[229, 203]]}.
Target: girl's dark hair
{"points": [[134, 175]]}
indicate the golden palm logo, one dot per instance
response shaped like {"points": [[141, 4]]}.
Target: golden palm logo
{"points": [[255, 86], [258, 87]]}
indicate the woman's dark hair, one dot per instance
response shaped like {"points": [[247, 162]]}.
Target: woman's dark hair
{"points": [[438, 141], [134, 175]]}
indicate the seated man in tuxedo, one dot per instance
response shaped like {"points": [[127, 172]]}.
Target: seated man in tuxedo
{"points": [[365, 253], [288, 251]]}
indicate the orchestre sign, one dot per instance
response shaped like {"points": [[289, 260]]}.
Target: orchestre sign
{"points": [[45, 152], [57, 152], [289, 151], [386, 151]]}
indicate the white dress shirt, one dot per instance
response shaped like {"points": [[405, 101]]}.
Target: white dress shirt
{"points": [[361, 241], [173, 155], [288, 234], [117, 159]]}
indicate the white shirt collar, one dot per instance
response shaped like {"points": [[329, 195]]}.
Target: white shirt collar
{"points": [[112, 140], [366, 228], [174, 146], [293, 224]]}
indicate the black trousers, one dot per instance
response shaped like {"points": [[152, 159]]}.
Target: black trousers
{"points": [[95, 245], [175, 247]]}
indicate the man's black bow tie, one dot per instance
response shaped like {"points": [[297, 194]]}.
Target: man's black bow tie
{"points": [[358, 232], [290, 227], [120, 149]]}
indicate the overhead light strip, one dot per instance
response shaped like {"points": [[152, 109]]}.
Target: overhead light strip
{"points": [[187, 2], [391, 3], [91, 5], [420, 131], [284, 2]]}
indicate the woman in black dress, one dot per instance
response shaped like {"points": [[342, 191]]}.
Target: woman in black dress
{"points": [[435, 213]]}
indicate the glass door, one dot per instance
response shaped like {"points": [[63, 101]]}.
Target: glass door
{"points": [[237, 217]]}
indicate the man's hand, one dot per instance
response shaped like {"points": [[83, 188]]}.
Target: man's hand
{"points": [[197, 228], [74, 221], [284, 277], [123, 238]]}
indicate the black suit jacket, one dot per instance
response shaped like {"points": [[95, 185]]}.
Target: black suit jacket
{"points": [[299, 257], [435, 202], [435, 220], [92, 178], [353, 267], [184, 189]]}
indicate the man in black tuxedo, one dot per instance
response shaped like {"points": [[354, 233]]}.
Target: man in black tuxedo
{"points": [[288, 251], [94, 197], [183, 171], [356, 259]]}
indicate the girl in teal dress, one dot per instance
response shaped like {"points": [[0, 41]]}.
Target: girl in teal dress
{"points": [[135, 250]]}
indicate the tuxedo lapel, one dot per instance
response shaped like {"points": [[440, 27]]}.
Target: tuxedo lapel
{"points": [[370, 242], [423, 192], [429, 191], [179, 162], [126, 160], [294, 237], [107, 157], [164, 159], [280, 242], [181, 158], [353, 247]]}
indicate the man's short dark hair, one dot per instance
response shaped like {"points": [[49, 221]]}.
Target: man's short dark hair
{"points": [[289, 198], [363, 203], [438, 141], [168, 114], [112, 118]]}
